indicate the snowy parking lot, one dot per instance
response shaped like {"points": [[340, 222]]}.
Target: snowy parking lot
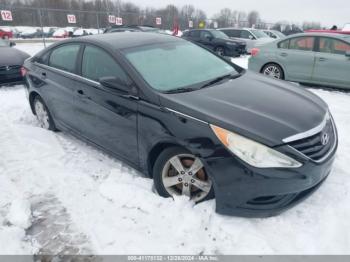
{"points": [[61, 195]]}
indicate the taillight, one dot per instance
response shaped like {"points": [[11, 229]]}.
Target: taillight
{"points": [[24, 71], [255, 51]]}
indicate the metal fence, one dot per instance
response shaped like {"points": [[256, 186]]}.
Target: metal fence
{"points": [[44, 18]]}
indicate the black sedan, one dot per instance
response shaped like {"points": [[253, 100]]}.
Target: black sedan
{"points": [[11, 61], [216, 41], [197, 124]]}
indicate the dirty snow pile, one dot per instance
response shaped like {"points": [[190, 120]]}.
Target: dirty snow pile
{"points": [[60, 195]]}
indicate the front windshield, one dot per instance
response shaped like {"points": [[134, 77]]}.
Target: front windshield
{"points": [[177, 65], [259, 34], [219, 34], [3, 43]]}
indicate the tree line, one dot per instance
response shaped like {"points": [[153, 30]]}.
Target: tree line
{"points": [[94, 13]]}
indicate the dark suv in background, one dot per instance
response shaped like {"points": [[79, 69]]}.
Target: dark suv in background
{"points": [[217, 41]]}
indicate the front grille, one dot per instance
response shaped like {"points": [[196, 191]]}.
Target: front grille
{"points": [[319, 145]]}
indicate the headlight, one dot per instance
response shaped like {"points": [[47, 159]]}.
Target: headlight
{"points": [[253, 153]]}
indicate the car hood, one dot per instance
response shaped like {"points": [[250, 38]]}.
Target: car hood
{"points": [[252, 105], [12, 56]]}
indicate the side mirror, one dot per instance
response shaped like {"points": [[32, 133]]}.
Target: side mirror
{"points": [[116, 84], [347, 54], [251, 37], [12, 44]]}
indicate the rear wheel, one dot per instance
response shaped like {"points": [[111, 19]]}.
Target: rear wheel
{"points": [[43, 115], [273, 70], [177, 172]]}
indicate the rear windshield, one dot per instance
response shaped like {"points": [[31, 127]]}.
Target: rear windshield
{"points": [[259, 34]]}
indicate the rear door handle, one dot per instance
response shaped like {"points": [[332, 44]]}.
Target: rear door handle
{"points": [[322, 59], [80, 92], [43, 75]]}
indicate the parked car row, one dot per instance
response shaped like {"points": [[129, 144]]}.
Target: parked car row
{"points": [[27, 32]]}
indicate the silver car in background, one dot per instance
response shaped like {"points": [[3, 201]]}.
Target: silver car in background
{"points": [[252, 37], [312, 58], [274, 34]]}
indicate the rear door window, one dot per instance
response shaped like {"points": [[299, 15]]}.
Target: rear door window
{"points": [[97, 63], [65, 57], [205, 35], [333, 46], [302, 43], [232, 33], [284, 44], [246, 35], [195, 34]]}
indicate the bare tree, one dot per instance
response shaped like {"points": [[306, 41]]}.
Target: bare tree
{"points": [[253, 18]]}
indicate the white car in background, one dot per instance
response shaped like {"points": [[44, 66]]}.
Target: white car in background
{"points": [[87, 31], [252, 37], [274, 34]]}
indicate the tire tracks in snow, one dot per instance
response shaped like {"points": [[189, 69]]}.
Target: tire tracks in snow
{"points": [[52, 230]]}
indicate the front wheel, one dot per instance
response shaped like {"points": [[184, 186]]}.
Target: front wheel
{"points": [[273, 70], [220, 50], [177, 172], [43, 115]]}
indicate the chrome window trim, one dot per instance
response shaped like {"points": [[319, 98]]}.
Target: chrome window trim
{"points": [[67, 73], [187, 116], [308, 133]]}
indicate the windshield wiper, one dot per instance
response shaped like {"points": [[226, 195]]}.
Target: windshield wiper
{"points": [[219, 79], [181, 90]]}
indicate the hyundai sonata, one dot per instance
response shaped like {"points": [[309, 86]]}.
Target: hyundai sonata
{"points": [[197, 124]]}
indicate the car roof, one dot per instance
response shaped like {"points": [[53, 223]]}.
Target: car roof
{"points": [[204, 29], [338, 36], [125, 40]]}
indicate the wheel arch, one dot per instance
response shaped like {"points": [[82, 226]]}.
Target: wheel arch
{"points": [[32, 97], [155, 152]]}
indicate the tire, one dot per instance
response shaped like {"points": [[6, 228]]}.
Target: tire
{"points": [[43, 114], [182, 181], [220, 50], [273, 70]]}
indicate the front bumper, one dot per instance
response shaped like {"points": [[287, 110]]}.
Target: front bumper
{"points": [[236, 50], [242, 190]]}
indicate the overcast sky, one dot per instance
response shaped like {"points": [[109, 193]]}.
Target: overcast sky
{"points": [[328, 12]]}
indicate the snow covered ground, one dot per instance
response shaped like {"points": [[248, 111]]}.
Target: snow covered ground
{"points": [[60, 195]]}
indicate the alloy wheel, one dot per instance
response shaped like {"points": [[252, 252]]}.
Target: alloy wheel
{"points": [[273, 71], [185, 175]]}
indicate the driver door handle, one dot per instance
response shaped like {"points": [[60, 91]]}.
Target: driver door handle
{"points": [[284, 54]]}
